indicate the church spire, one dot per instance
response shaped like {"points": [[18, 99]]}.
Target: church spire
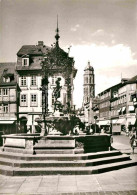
{"points": [[57, 34]]}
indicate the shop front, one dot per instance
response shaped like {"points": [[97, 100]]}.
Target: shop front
{"points": [[104, 124]]}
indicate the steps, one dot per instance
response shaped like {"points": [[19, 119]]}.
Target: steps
{"points": [[14, 164]]}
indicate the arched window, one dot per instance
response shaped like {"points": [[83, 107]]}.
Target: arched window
{"points": [[86, 79], [90, 80]]}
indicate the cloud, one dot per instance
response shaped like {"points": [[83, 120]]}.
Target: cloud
{"points": [[75, 27], [108, 62]]}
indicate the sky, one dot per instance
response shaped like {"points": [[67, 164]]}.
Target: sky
{"points": [[103, 32]]}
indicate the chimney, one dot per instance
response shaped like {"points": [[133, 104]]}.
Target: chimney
{"points": [[40, 43]]}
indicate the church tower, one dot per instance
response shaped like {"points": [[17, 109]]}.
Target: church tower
{"points": [[89, 93], [89, 83]]}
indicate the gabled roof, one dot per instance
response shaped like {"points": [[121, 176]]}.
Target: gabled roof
{"points": [[33, 50], [133, 79], [9, 68]]}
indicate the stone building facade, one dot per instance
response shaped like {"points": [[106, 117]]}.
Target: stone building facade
{"points": [[117, 107], [31, 63], [21, 92], [9, 94]]}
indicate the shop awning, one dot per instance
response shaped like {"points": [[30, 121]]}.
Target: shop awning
{"points": [[114, 121], [106, 122], [121, 121], [7, 122], [131, 121], [131, 108]]}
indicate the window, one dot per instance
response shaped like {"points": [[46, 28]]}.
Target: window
{"points": [[6, 79], [33, 100], [25, 61], [86, 79], [23, 81], [90, 80], [33, 80], [5, 108], [54, 78], [5, 92], [23, 100]]}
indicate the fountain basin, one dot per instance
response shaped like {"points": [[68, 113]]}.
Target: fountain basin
{"points": [[34, 143]]}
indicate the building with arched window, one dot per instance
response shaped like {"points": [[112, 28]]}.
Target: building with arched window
{"points": [[31, 66]]}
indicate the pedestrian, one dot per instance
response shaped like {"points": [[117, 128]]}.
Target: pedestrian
{"points": [[133, 140], [102, 130], [129, 129], [88, 130], [76, 129]]}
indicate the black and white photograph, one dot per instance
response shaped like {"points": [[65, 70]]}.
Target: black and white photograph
{"points": [[68, 97]]}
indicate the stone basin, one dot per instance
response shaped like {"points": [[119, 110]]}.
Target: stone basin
{"points": [[34, 143]]}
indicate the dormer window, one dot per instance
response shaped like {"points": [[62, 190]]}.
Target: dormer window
{"points": [[6, 79], [25, 61]]}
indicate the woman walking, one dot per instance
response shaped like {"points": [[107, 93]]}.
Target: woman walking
{"points": [[132, 140]]}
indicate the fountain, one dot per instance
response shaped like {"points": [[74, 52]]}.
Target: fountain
{"points": [[61, 139], [56, 150]]}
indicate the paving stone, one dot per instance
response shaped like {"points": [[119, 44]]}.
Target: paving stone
{"points": [[89, 188], [67, 178], [114, 187], [125, 193], [108, 193], [95, 193], [67, 188], [133, 192], [27, 190], [107, 181], [8, 191], [101, 193], [114, 193], [128, 187], [47, 189]]}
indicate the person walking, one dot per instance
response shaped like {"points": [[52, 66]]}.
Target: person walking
{"points": [[132, 139]]}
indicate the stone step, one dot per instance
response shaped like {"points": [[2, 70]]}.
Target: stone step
{"points": [[45, 151], [15, 171], [53, 163], [60, 151], [61, 157]]}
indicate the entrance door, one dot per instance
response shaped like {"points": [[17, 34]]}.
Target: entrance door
{"points": [[23, 125]]}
